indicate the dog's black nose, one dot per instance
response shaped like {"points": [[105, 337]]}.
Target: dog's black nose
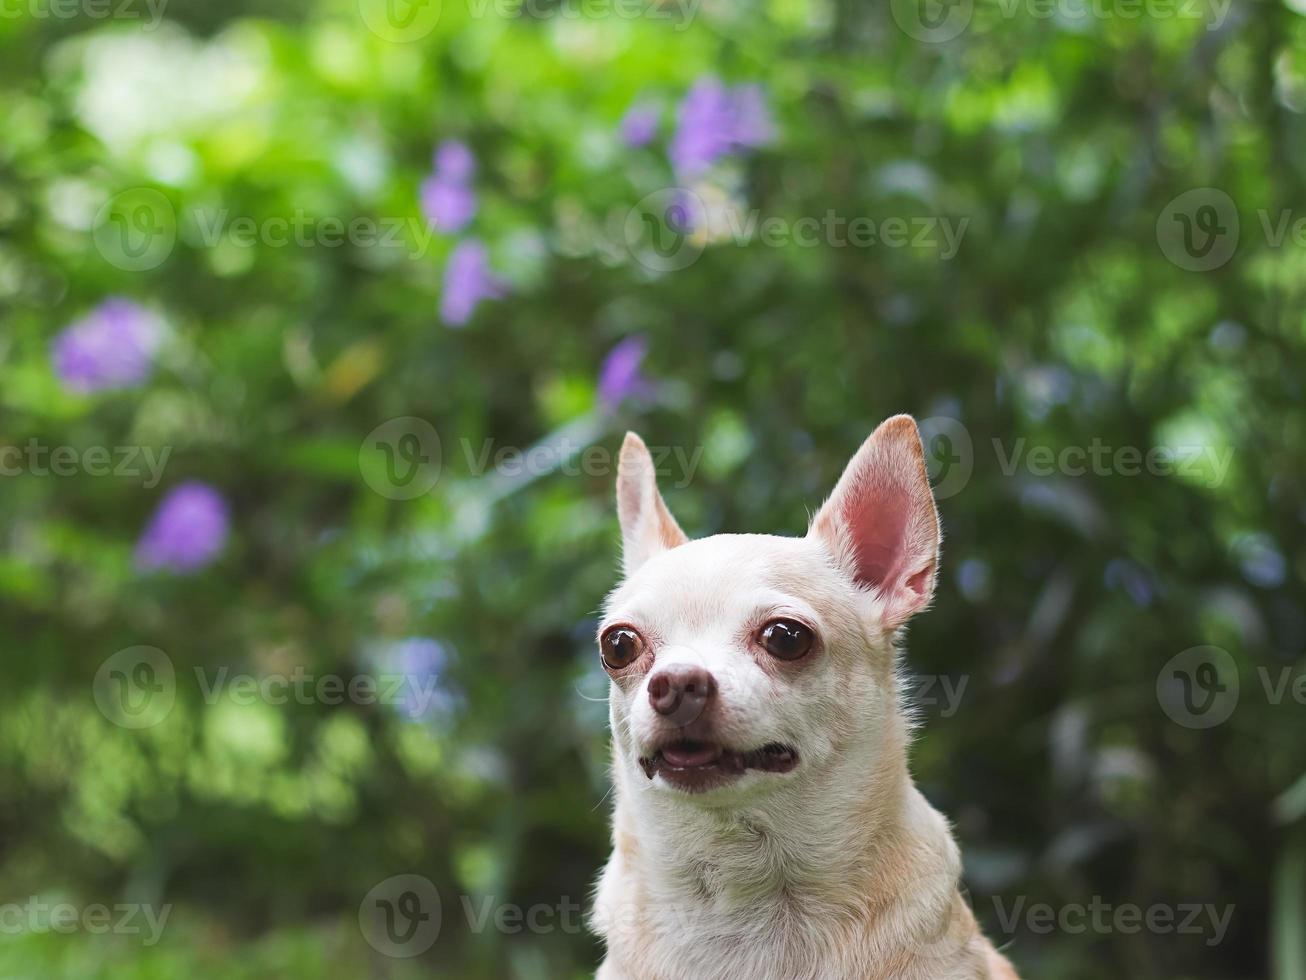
{"points": [[681, 693]]}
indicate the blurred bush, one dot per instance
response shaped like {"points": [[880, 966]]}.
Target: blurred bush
{"points": [[238, 242]]}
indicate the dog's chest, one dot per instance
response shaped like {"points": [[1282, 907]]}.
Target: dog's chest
{"points": [[775, 941], [695, 932], [705, 920]]}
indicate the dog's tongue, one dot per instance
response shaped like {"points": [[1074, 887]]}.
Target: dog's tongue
{"points": [[690, 755]]}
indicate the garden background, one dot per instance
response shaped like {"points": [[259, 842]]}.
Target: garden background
{"points": [[320, 321]]}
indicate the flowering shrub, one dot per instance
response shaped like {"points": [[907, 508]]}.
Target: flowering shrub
{"points": [[376, 289]]}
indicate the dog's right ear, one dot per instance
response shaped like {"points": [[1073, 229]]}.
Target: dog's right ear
{"points": [[647, 527], [880, 522]]}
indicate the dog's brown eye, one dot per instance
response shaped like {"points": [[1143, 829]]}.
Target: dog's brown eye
{"points": [[620, 647], [787, 639]]}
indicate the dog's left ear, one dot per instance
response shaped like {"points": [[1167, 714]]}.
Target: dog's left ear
{"points": [[880, 522], [647, 527]]}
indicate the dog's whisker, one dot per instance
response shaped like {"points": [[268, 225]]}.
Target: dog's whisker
{"points": [[611, 787]]}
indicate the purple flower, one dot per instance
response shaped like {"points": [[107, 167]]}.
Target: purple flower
{"points": [[187, 531], [448, 200], [455, 161], [640, 124], [421, 661], [753, 126], [620, 376], [714, 120], [448, 206], [467, 281], [685, 212], [111, 347]]}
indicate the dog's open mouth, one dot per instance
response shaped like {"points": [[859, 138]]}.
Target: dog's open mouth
{"points": [[693, 764]]}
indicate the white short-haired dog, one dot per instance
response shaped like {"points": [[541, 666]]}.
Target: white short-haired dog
{"points": [[766, 826]]}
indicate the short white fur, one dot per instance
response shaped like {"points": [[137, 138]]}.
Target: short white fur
{"points": [[840, 868]]}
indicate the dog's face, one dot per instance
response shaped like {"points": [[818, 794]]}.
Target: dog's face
{"points": [[742, 664]]}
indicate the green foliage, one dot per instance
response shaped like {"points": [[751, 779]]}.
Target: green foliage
{"points": [[1064, 317]]}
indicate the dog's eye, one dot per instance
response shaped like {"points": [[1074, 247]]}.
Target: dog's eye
{"points": [[620, 647], [786, 639]]}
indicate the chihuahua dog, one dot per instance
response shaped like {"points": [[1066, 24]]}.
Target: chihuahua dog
{"points": [[766, 826]]}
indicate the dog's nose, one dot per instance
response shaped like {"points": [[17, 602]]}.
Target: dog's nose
{"points": [[681, 693]]}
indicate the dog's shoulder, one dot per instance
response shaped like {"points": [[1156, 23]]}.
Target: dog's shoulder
{"points": [[999, 966]]}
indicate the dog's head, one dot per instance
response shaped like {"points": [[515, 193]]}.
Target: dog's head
{"points": [[743, 663]]}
